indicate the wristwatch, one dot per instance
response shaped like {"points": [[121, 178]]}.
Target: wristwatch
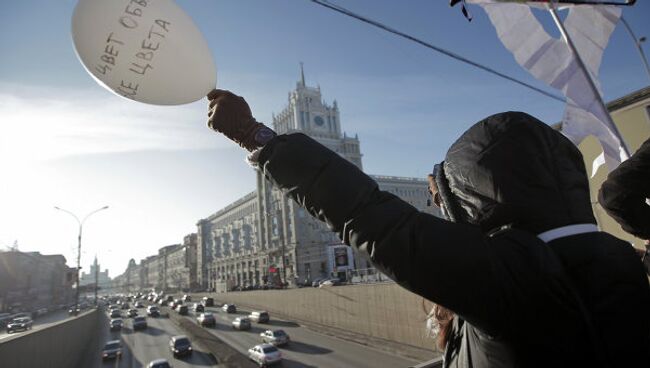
{"points": [[263, 136]]}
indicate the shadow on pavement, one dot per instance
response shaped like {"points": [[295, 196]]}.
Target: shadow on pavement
{"points": [[153, 331], [302, 347], [282, 323], [200, 358], [294, 364]]}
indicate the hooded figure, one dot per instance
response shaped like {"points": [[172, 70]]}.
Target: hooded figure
{"points": [[520, 261]]}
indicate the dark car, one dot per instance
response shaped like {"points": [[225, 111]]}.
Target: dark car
{"points": [[207, 301], [206, 319], [153, 311], [259, 316], [180, 345], [198, 308], [229, 308], [139, 323], [132, 313], [19, 324], [116, 324], [182, 310], [112, 350], [159, 363]]}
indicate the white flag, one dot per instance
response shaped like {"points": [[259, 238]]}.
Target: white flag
{"points": [[550, 60]]}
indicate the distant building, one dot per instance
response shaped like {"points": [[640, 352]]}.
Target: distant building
{"points": [[30, 280], [103, 280], [264, 237], [173, 269]]}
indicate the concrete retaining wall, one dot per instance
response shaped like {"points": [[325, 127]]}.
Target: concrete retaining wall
{"points": [[61, 345], [385, 311]]}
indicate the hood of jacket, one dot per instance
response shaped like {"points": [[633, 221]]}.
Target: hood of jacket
{"points": [[511, 169]]}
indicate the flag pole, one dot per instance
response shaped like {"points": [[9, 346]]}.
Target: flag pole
{"points": [[592, 84]]}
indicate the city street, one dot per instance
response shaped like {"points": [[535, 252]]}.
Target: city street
{"points": [[141, 347], [40, 322], [307, 348]]}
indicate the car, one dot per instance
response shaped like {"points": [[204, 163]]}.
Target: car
{"points": [[125, 305], [153, 311], [182, 310], [138, 304], [116, 324], [112, 350], [265, 355], [132, 313], [206, 319], [197, 307], [163, 302], [259, 316], [317, 281], [159, 363], [241, 323], [115, 313], [207, 301], [19, 324], [275, 337], [139, 323], [330, 282], [171, 305], [229, 308], [187, 298], [180, 345], [74, 311]]}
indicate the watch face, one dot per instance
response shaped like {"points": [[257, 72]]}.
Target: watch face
{"points": [[319, 121]]}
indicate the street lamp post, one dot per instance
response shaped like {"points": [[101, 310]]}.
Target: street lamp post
{"points": [[81, 223]]}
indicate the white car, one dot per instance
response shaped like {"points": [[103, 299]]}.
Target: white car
{"points": [[265, 354], [275, 337]]}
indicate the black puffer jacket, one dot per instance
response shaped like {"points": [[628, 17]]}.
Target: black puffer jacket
{"points": [[576, 301], [623, 195]]}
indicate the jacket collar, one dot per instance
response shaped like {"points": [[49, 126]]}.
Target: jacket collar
{"points": [[564, 231]]}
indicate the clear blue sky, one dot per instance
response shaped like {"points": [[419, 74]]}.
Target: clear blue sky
{"points": [[68, 142]]}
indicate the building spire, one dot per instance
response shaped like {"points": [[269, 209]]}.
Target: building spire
{"points": [[302, 74]]}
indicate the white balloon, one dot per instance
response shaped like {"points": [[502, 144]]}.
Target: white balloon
{"points": [[145, 50]]}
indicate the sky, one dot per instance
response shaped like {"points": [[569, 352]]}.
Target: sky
{"points": [[66, 141]]}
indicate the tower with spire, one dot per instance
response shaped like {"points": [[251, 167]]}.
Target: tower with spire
{"points": [[307, 113]]}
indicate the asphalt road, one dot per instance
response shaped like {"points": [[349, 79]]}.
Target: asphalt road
{"points": [[142, 346], [307, 348], [40, 322]]}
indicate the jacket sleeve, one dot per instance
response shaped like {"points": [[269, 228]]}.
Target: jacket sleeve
{"points": [[623, 195], [444, 262]]}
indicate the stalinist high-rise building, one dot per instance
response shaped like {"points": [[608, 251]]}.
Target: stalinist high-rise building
{"points": [[264, 237]]}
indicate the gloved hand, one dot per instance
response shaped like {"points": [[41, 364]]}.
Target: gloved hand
{"points": [[230, 115]]}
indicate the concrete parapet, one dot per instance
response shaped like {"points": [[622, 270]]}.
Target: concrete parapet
{"points": [[60, 345], [384, 311]]}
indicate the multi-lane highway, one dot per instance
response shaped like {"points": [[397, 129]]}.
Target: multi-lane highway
{"points": [[307, 348], [142, 346]]}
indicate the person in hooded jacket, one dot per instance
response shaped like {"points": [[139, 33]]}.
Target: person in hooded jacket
{"points": [[624, 196], [519, 260]]}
